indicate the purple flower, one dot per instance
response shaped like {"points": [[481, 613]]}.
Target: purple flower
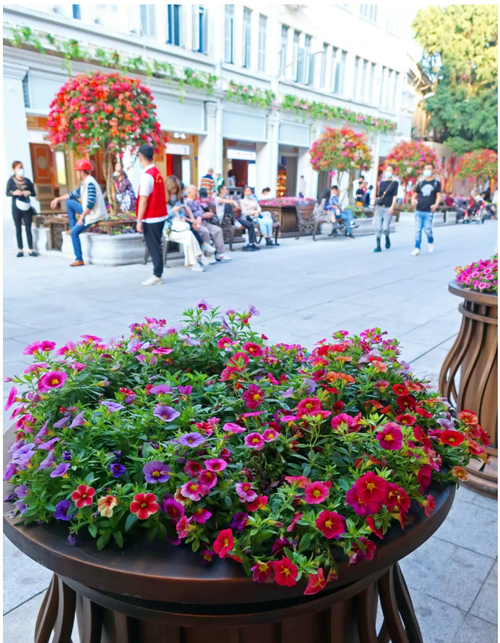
{"points": [[117, 454], [161, 388], [288, 392], [134, 345], [185, 390], [240, 521], [117, 469], [62, 422], [21, 491], [165, 413], [49, 445], [159, 331], [9, 497], [202, 305], [448, 425], [191, 439], [66, 455], [72, 540], [308, 386], [49, 461], [43, 431], [253, 311], [112, 406], [173, 508], [78, 421], [192, 342], [156, 471], [21, 506], [62, 508], [60, 470], [9, 472]]}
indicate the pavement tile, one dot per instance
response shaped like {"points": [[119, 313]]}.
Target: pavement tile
{"points": [[423, 570], [471, 527], [486, 604], [439, 622], [475, 630]]}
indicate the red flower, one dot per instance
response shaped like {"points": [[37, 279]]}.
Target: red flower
{"points": [[261, 572], [253, 396], [371, 487], [83, 496], [421, 437], [424, 477], [301, 481], [451, 438], [468, 417], [405, 402], [224, 542], [331, 524], [362, 507], [365, 551], [285, 572], [430, 505], [316, 583], [144, 505], [423, 412], [406, 419], [391, 437], [399, 389], [370, 523], [315, 493], [308, 406], [257, 504]]}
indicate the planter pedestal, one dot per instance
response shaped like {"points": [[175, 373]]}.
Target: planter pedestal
{"points": [[469, 377], [157, 593]]}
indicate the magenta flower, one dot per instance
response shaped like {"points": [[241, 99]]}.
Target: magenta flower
{"points": [[185, 390], [315, 493], [215, 464], [182, 527], [270, 435], [191, 439], [173, 508], [254, 441], [34, 368], [90, 338], [240, 521], [245, 491], [161, 388], [32, 349], [193, 490], [391, 437], [253, 397], [231, 427], [67, 348], [156, 471], [60, 470], [52, 379], [208, 478], [12, 398], [46, 346], [166, 413], [201, 515]]}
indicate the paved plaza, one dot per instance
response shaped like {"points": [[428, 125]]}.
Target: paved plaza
{"points": [[304, 291]]}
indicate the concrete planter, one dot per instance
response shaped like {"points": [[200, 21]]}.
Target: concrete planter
{"points": [[41, 238], [106, 249], [365, 227]]}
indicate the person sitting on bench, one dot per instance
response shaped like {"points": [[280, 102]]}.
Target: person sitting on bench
{"points": [[224, 205], [250, 208], [333, 206]]}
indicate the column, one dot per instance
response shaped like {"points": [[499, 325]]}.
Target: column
{"points": [[312, 177], [210, 145], [267, 157], [15, 129]]}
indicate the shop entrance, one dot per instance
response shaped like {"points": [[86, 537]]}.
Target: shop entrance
{"points": [[239, 166], [180, 157], [287, 171]]}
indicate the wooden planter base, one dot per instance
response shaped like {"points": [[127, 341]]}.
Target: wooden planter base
{"points": [[469, 377]]}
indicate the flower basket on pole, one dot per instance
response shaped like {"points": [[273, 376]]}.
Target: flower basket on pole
{"points": [[479, 166], [409, 158], [110, 112]]}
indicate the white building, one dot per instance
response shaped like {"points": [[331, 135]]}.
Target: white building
{"points": [[346, 56]]}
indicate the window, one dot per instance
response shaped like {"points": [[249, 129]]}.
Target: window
{"points": [[324, 55], [284, 49], [364, 81], [200, 28], [395, 90], [308, 64], [296, 54], [107, 14], [174, 24], [26, 91], [338, 70], [262, 42], [369, 11], [383, 82], [148, 20], [369, 98], [77, 14], [247, 37], [356, 76], [229, 33], [388, 84]]}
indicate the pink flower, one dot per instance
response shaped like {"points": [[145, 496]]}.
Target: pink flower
{"points": [[52, 379], [12, 398], [253, 397], [270, 435], [231, 427], [193, 468], [182, 527], [391, 437], [215, 464], [208, 479], [32, 348], [201, 515], [315, 493], [193, 490], [253, 349], [245, 491], [254, 441]]}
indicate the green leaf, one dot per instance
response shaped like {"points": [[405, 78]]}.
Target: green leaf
{"points": [[103, 541], [118, 536], [93, 530], [305, 541], [130, 522]]}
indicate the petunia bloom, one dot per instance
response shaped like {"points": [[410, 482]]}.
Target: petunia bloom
{"points": [[191, 439], [144, 505], [173, 508], [261, 572], [156, 471], [62, 509], [165, 413], [117, 469], [215, 464], [60, 470], [315, 493], [331, 524], [254, 441], [11, 398], [240, 521], [285, 572], [253, 397], [224, 543], [106, 504], [201, 515], [83, 496], [315, 583], [51, 380], [245, 491], [193, 490], [391, 437], [231, 427], [112, 406]]}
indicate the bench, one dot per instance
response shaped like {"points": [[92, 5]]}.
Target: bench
{"points": [[305, 218]]}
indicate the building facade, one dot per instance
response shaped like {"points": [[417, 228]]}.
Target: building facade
{"points": [[275, 70]]}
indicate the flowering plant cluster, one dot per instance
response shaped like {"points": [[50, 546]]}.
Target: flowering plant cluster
{"points": [[340, 150], [481, 275], [280, 459], [286, 201], [264, 98], [327, 112], [408, 159], [479, 166]]}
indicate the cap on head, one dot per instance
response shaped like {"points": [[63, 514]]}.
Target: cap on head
{"points": [[83, 165], [147, 151]]}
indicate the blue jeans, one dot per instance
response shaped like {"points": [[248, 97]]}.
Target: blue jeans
{"points": [[76, 231], [73, 208], [266, 225], [423, 221], [348, 217]]}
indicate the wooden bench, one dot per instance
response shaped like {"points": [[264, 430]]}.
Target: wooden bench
{"points": [[305, 219]]}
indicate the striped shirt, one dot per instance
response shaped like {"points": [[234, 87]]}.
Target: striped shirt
{"points": [[91, 195], [208, 183]]}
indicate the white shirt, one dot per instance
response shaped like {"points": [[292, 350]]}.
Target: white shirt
{"points": [[147, 182]]}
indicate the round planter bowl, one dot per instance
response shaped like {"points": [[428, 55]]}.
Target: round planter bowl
{"points": [[469, 376], [155, 592]]}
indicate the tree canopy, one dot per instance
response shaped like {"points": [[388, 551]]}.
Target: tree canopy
{"points": [[460, 56]]}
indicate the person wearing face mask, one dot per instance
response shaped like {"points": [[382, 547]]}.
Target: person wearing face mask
{"points": [[426, 199], [384, 207], [20, 189]]}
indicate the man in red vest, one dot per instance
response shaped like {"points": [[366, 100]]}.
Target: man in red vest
{"points": [[151, 211]]}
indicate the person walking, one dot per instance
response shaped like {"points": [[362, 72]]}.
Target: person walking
{"points": [[426, 199], [151, 211], [387, 196], [21, 189], [208, 182], [90, 210], [302, 186]]}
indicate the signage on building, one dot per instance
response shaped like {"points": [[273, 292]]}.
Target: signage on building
{"points": [[241, 155], [177, 148]]}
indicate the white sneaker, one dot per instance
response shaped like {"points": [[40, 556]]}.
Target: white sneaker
{"points": [[204, 260], [224, 258], [198, 268], [415, 252], [212, 259], [208, 249], [431, 247], [152, 281]]}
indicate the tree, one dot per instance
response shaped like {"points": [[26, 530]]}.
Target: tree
{"points": [[408, 159], [109, 112], [479, 166], [341, 151], [460, 56]]}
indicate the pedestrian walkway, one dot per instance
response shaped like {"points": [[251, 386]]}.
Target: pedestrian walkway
{"points": [[304, 291]]}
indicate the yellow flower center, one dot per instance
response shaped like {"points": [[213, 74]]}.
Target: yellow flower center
{"points": [[328, 524], [54, 381]]}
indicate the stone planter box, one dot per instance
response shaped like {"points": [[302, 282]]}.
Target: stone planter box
{"points": [[41, 238], [106, 249], [365, 227], [469, 376]]}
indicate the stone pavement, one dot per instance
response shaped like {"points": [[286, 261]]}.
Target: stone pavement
{"points": [[305, 291]]}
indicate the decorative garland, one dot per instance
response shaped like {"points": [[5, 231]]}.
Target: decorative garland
{"points": [[72, 50]]}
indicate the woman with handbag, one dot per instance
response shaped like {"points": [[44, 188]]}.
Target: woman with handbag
{"points": [[384, 207], [21, 189]]}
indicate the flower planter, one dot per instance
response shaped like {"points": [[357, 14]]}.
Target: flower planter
{"points": [[287, 217], [106, 249], [159, 592], [41, 236], [469, 376], [365, 227]]}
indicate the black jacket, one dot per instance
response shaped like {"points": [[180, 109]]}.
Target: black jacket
{"points": [[12, 187]]}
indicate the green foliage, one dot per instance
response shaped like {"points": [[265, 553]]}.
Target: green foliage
{"points": [[460, 56]]}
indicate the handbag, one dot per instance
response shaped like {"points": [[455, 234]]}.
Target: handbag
{"points": [[380, 198]]}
